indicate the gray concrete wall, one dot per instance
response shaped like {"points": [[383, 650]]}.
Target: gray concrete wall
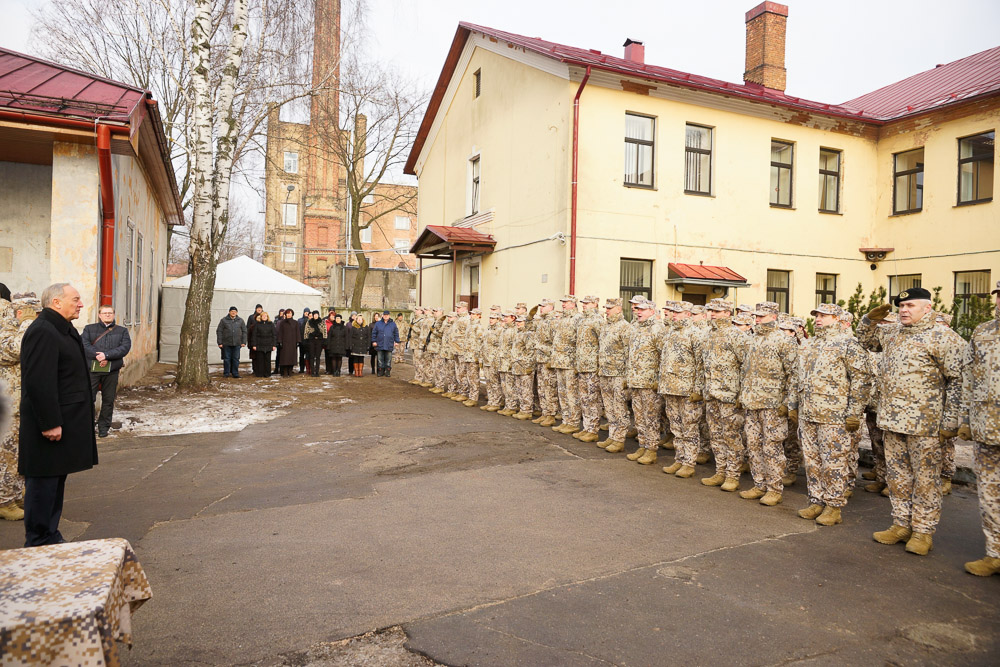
{"points": [[25, 222], [384, 288]]}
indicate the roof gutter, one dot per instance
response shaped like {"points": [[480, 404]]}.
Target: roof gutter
{"points": [[574, 187], [108, 213]]}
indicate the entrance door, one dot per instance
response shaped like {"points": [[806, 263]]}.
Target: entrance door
{"points": [[473, 286]]}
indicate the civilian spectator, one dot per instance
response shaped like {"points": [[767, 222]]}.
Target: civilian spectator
{"points": [[336, 344], [359, 343], [303, 348], [313, 336], [262, 341], [231, 336], [106, 345], [385, 338], [288, 339]]}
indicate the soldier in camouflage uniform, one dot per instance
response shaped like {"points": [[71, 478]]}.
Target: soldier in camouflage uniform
{"points": [[680, 385], [643, 378], [588, 336], [793, 450], [919, 405], [458, 351], [875, 435], [744, 322], [14, 320], [416, 344], [829, 392], [436, 364], [491, 364], [766, 378], [981, 424], [471, 357], [548, 391], [507, 382], [943, 321], [447, 367], [563, 360], [702, 329], [612, 358], [522, 367], [845, 319]]}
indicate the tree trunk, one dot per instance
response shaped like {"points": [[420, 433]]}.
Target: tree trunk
{"points": [[192, 356], [359, 280]]}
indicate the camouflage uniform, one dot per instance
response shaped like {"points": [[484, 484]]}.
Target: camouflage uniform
{"points": [[507, 383], [563, 360], [722, 359], [417, 347], [871, 419], [491, 364], [831, 384], [919, 396], [471, 357], [458, 350], [981, 413], [764, 385], [588, 336], [948, 462], [11, 333], [680, 376], [642, 377], [522, 367], [548, 392], [612, 358], [404, 331], [701, 331], [435, 366]]}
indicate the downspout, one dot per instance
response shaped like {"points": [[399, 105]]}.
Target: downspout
{"points": [[573, 195], [108, 209]]}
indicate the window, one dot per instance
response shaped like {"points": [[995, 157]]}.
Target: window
{"points": [[698, 160], [129, 264], [290, 215], [781, 174], [402, 223], [975, 168], [908, 181], [138, 280], [288, 252], [636, 278], [898, 284], [152, 283], [826, 288], [291, 163], [639, 150], [777, 288], [971, 284], [402, 246], [366, 234], [829, 180], [368, 199], [478, 76], [474, 185]]}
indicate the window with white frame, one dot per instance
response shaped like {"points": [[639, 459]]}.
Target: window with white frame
{"points": [[474, 185], [697, 159], [288, 252], [129, 266], [402, 245], [291, 163], [290, 215], [781, 173], [152, 282], [402, 223], [138, 279], [639, 132], [366, 234]]}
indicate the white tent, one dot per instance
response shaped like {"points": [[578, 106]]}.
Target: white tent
{"points": [[240, 282]]}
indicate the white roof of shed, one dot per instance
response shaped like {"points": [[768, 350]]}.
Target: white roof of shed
{"points": [[247, 275]]}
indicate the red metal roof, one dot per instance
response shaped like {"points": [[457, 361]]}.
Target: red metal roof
{"points": [[702, 272], [453, 236], [972, 76]]}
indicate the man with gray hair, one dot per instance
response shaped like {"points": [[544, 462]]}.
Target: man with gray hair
{"points": [[106, 345]]}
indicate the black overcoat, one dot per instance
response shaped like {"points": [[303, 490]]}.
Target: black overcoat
{"points": [[288, 339], [263, 336], [55, 391], [336, 339], [360, 340]]}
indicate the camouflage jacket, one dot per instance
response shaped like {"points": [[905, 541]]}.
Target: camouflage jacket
{"points": [[613, 346], [507, 334], [404, 330], [458, 329], [11, 333], [522, 352], [919, 378], [981, 383], [722, 360], [564, 341], [768, 368], [588, 337], [874, 361], [491, 346], [436, 332], [543, 337], [643, 367], [680, 368], [472, 346], [832, 380]]}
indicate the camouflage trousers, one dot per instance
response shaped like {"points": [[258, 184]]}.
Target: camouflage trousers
{"points": [[793, 452], [987, 460], [419, 372], [725, 424], [448, 367], [509, 387], [569, 395], [878, 448], [436, 370], [591, 406], [683, 417], [704, 435], [646, 408], [827, 450], [472, 380], [614, 397], [948, 466], [525, 385], [548, 390], [494, 391], [11, 484], [766, 431], [852, 459], [913, 467], [459, 370]]}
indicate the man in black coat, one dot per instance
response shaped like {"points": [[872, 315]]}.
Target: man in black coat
{"points": [[56, 437], [231, 336], [303, 346], [107, 344]]}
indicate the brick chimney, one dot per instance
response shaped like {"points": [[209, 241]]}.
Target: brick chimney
{"points": [[635, 51], [766, 45]]}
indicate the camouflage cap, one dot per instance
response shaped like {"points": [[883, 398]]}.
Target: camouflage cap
{"points": [[521, 318], [612, 302], [766, 308], [944, 318], [697, 309], [494, 315], [743, 318], [496, 307], [687, 306], [475, 311], [719, 305], [589, 299], [997, 290], [451, 313], [436, 309], [521, 304], [461, 304], [825, 309], [674, 307], [507, 313], [846, 316], [786, 323], [643, 304], [569, 297], [744, 308], [546, 302], [637, 299], [799, 322]]}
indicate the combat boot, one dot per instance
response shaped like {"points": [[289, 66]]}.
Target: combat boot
{"points": [[673, 467], [587, 436], [885, 492], [538, 419], [715, 480], [893, 535], [603, 426], [945, 486], [829, 517], [576, 436], [685, 472], [874, 487], [702, 458], [435, 390], [745, 467], [536, 414], [632, 433], [561, 428], [413, 381], [649, 458], [426, 384], [812, 511], [920, 543], [11, 512], [485, 407], [613, 446], [470, 403], [789, 479], [667, 443], [636, 454], [753, 493], [461, 398], [448, 394], [571, 429], [731, 484], [868, 475], [522, 416], [492, 408], [548, 420], [506, 412], [771, 498], [984, 567]]}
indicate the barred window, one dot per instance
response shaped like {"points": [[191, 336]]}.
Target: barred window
{"points": [[636, 279]]}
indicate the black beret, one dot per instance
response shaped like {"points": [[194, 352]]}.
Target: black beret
{"points": [[912, 294]]}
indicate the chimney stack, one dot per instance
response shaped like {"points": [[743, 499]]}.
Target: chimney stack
{"points": [[766, 45], [635, 51]]}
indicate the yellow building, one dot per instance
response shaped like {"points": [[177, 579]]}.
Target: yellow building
{"points": [[735, 189]]}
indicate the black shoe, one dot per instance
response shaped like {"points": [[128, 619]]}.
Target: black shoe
{"points": [[387, 371], [237, 377], [102, 434]]}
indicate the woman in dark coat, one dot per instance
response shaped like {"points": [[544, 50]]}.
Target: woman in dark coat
{"points": [[288, 342], [262, 342], [314, 336], [336, 343], [360, 342]]}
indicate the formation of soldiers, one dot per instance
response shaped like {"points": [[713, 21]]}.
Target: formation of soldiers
{"points": [[749, 388]]}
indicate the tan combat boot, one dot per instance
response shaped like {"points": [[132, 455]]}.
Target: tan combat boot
{"points": [[984, 567], [571, 429], [685, 472], [576, 436], [485, 407], [874, 487], [613, 446], [789, 479], [506, 412], [492, 408], [731, 484], [548, 420], [945, 486], [920, 543], [470, 403], [632, 433], [715, 480], [667, 443], [672, 468], [522, 416], [893, 535], [447, 394], [603, 426], [437, 390], [868, 475], [536, 414], [587, 436], [561, 428], [885, 491], [538, 419], [649, 458], [636, 454], [811, 512], [460, 398], [745, 467], [11, 512], [829, 517], [849, 493], [771, 498], [753, 493], [702, 458], [426, 384], [413, 381]]}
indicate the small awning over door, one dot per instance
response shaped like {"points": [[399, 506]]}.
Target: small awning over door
{"points": [[439, 242]]}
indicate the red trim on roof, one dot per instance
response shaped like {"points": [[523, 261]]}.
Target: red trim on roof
{"points": [[702, 272], [451, 234]]}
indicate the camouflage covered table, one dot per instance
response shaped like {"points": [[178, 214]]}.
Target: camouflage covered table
{"points": [[67, 604]]}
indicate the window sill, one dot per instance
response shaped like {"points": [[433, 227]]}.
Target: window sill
{"points": [[831, 212], [786, 207], [636, 186], [699, 194], [902, 213], [972, 203]]}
